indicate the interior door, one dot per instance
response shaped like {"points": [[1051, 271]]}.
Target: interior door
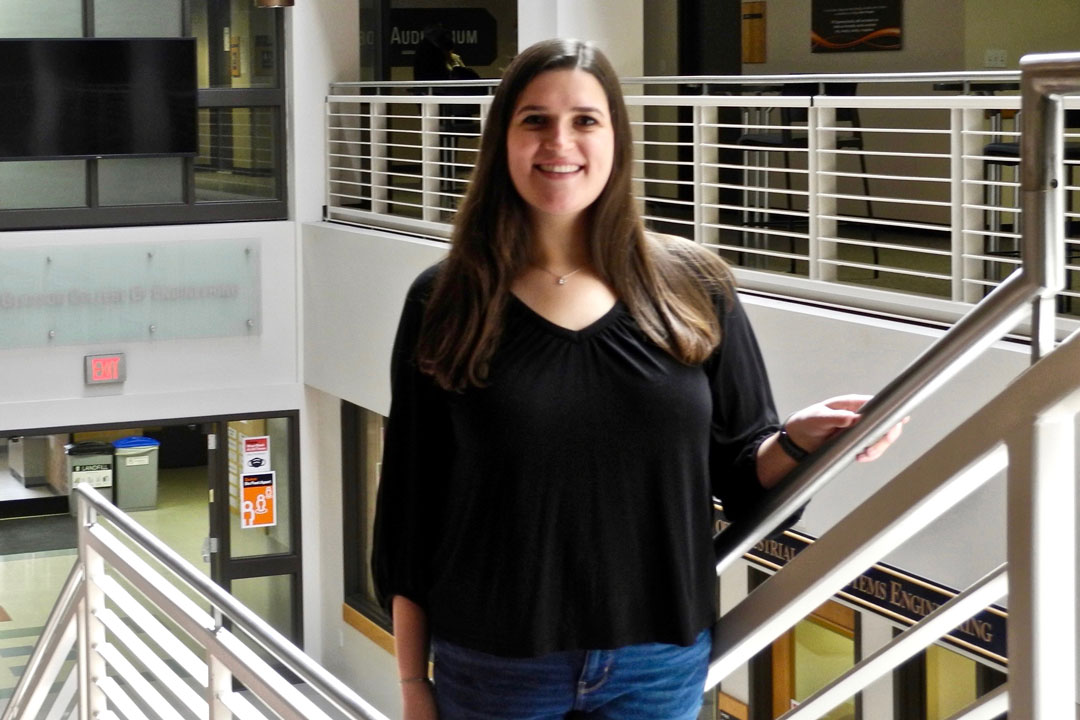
{"points": [[255, 517]]}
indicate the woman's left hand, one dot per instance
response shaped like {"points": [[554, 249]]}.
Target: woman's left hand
{"points": [[810, 427]]}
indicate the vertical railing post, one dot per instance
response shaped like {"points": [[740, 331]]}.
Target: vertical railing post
{"points": [[1042, 187], [219, 680], [1041, 526], [710, 176], [431, 172], [819, 144], [814, 187], [967, 220], [91, 666], [698, 189], [380, 192]]}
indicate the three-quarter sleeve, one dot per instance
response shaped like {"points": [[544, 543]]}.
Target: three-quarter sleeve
{"points": [[416, 456], [744, 413]]}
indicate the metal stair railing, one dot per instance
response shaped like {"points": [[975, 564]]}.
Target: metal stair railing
{"points": [[1029, 430], [115, 613]]}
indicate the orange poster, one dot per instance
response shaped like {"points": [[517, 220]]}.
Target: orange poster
{"points": [[257, 508]]}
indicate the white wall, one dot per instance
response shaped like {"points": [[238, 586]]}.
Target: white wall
{"points": [[614, 25], [43, 387]]}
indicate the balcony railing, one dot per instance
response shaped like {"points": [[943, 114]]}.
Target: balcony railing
{"points": [[894, 192]]}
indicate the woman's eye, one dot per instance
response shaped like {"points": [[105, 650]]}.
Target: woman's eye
{"points": [[533, 120], [587, 120]]}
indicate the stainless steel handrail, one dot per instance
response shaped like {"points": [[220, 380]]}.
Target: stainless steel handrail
{"points": [[1040, 277], [259, 630], [61, 615], [944, 76]]}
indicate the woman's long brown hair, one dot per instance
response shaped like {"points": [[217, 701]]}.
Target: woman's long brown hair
{"points": [[669, 285]]}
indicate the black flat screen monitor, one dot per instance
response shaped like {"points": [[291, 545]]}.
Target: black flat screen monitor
{"points": [[97, 97]]}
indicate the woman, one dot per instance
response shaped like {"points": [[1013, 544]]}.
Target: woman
{"points": [[567, 393]]}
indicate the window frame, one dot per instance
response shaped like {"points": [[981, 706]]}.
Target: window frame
{"points": [[356, 551], [188, 211]]}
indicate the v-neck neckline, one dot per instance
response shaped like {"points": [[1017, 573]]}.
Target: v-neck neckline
{"points": [[593, 327]]}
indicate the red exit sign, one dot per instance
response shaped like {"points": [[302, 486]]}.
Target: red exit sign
{"points": [[104, 369]]}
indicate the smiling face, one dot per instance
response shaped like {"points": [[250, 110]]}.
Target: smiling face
{"points": [[560, 144]]}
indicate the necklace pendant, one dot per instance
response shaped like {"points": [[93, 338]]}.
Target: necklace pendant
{"points": [[562, 280]]}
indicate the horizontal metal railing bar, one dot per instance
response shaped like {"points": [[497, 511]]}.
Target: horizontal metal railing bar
{"points": [[985, 324], [757, 252], [768, 168], [257, 628], [886, 269], [887, 153], [160, 669], [884, 199], [887, 246], [905, 505], [750, 229], [41, 667], [879, 176], [180, 653], [119, 698], [142, 687], [761, 211], [887, 223], [905, 646], [990, 706]]}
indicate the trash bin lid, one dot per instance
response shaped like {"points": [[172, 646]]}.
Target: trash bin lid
{"points": [[135, 441], [89, 447]]}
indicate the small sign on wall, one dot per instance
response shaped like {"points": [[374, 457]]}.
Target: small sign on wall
{"points": [[257, 500], [855, 25]]}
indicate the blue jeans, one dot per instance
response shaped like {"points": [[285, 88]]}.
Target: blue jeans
{"points": [[654, 681]]}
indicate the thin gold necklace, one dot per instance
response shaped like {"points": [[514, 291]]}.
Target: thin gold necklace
{"points": [[559, 279]]}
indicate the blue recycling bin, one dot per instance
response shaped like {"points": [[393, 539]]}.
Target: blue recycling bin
{"points": [[136, 470]]}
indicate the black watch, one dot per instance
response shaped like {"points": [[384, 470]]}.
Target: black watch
{"points": [[789, 446]]}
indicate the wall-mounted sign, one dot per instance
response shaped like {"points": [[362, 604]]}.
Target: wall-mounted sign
{"points": [[257, 506], [104, 369], [855, 25], [472, 30], [256, 456], [898, 595], [84, 294]]}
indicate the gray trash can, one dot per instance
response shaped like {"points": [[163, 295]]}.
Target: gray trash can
{"points": [[90, 462], [136, 473]]}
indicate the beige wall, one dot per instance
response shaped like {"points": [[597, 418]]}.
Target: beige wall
{"points": [[1018, 28]]}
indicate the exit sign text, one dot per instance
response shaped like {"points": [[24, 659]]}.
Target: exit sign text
{"points": [[104, 369]]}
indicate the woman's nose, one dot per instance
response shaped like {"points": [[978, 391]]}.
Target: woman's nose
{"points": [[556, 136]]}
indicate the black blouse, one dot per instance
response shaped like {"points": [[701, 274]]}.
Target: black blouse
{"points": [[567, 504]]}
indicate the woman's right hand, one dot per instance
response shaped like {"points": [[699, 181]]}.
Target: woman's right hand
{"points": [[418, 701]]}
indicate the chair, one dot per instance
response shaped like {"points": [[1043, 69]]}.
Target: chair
{"points": [[787, 140]]}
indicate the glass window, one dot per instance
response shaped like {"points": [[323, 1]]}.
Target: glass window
{"points": [[140, 181], [237, 44], [362, 446], [237, 154], [822, 652], [29, 184], [137, 18], [274, 539], [41, 18], [241, 154], [950, 682]]}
